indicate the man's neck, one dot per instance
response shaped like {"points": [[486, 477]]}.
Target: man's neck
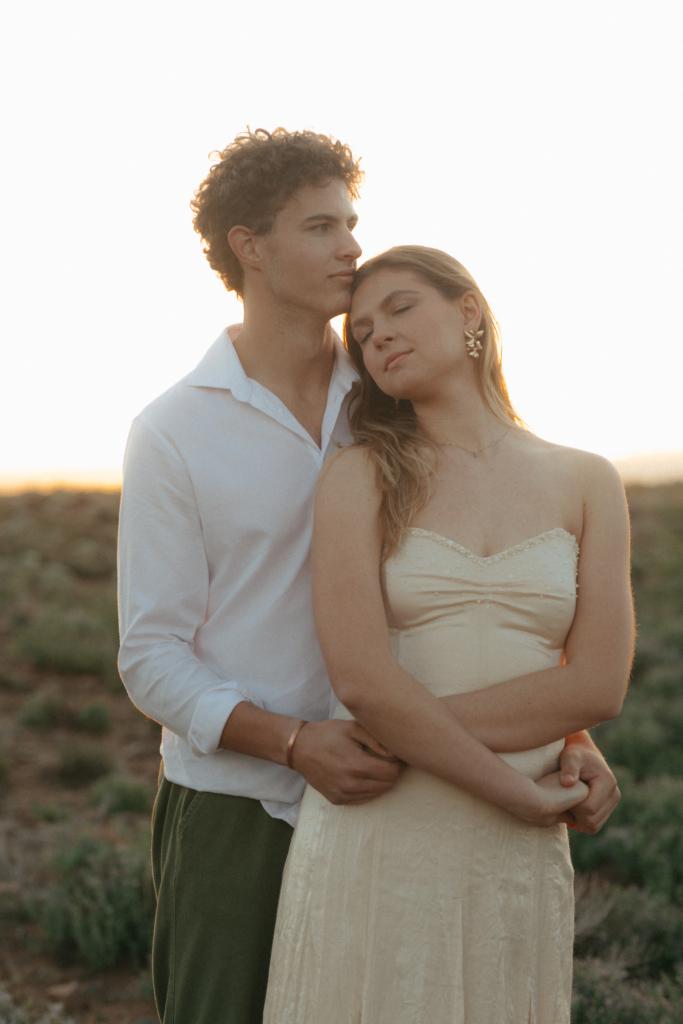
{"points": [[292, 354], [288, 352]]}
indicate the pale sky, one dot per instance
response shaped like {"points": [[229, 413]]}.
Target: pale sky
{"points": [[539, 143]]}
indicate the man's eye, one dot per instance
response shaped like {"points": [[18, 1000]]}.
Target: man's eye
{"points": [[321, 227]]}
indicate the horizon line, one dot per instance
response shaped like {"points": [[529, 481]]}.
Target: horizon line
{"points": [[646, 468]]}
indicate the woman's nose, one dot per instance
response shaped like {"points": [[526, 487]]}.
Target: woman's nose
{"points": [[381, 336]]}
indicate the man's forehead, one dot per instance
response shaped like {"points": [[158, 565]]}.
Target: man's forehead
{"points": [[330, 198]]}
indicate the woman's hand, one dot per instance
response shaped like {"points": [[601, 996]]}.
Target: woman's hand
{"points": [[546, 802]]}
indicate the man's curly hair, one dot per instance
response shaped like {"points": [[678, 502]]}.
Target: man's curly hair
{"points": [[253, 179]]}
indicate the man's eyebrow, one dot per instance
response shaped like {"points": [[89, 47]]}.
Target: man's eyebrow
{"points": [[329, 218], [386, 301]]}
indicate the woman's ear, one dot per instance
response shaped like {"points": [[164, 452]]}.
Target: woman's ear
{"points": [[471, 311]]}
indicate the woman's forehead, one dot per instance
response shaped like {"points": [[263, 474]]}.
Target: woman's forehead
{"points": [[382, 283]]}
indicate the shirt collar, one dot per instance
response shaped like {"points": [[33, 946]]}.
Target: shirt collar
{"points": [[221, 368]]}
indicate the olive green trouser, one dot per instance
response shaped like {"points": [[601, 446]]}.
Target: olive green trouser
{"points": [[217, 864]]}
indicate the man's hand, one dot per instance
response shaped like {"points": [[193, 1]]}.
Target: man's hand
{"points": [[581, 760], [343, 761]]}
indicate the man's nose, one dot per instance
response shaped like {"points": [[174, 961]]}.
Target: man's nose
{"points": [[351, 249]]}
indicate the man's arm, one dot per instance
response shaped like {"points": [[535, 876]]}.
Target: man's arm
{"points": [[163, 600], [163, 588], [541, 707]]}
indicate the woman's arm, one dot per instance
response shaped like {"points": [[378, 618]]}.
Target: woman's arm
{"points": [[385, 699], [590, 687]]}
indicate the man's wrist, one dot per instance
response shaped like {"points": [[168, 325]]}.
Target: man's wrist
{"points": [[259, 733], [293, 737]]}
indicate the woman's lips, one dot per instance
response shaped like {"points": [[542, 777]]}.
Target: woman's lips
{"points": [[393, 360]]}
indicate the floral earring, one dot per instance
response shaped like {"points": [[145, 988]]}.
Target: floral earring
{"points": [[473, 342]]}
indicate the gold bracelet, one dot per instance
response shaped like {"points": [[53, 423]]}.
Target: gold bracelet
{"points": [[292, 740]]}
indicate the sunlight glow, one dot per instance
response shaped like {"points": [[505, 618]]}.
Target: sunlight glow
{"points": [[537, 143]]}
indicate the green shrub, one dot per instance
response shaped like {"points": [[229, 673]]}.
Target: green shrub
{"points": [[91, 559], [99, 911], [664, 681], [12, 683], [643, 842], [94, 718], [73, 640], [642, 931], [635, 741], [80, 765], [646, 737], [603, 996], [14, 906], [49, 812], [45, 711], [10, 1013], [117, 794]]}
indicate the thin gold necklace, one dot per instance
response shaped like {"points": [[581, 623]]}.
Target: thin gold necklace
{"points": [[477, 451]]}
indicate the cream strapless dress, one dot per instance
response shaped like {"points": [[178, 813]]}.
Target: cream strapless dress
{"points": [[428, 905]]}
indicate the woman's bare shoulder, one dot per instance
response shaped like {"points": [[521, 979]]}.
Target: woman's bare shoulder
{"points": [[580, 463], [348, 478]]}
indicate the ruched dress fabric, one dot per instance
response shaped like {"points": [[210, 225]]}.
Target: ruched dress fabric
{"points": [[428, 905]]}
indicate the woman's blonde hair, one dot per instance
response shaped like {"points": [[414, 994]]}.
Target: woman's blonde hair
{"points": [[403, 455]]}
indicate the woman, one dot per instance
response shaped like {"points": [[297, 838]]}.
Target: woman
{"points": [[445, 560]]}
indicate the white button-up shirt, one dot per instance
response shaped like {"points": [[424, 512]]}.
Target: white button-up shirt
{"points": [[215, 599]]}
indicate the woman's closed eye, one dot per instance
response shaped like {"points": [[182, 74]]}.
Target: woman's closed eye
{"points": [[395, 312]]}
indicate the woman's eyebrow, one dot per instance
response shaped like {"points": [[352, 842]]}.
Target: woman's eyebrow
{"points": [[386, 301]]}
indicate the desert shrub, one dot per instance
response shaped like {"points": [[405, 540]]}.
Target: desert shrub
{"points": [[99, 911], [645, 739], [79, 765], [14, 907], [48, 812], [4, 772], [12, 682], [70, 640], [10, 1013], [90, 559], [666, 681], [118, 794], [642, 931], [602, 995], [94, 718], [634, 741], [56, 582], [643, 842], [45, 711]]}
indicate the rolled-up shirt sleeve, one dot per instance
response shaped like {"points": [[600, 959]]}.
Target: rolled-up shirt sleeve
{"points": [[163, 591]]}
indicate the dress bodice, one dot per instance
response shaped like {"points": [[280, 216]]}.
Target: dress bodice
{"points": [[460, 621], [528, 589]]}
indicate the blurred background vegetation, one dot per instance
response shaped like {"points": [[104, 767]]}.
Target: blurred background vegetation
{"points": [[78, 768]]}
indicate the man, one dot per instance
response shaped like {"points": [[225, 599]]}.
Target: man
{"points": [[217, 635]]}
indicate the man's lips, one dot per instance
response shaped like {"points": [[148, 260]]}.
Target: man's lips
{"points": [[345, 275], [395, 357]]}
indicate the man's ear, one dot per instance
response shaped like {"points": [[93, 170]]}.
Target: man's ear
{"points": [[471, 311], [244, 243]]}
